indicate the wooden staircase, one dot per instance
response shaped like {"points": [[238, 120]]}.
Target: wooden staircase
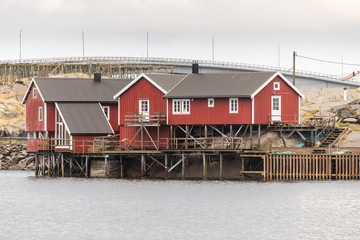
{"points": [[332, 137]]}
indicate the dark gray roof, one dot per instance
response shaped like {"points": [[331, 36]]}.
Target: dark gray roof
{"points": [[79, 90], [166, 81], [203, 85], [85, 118]]}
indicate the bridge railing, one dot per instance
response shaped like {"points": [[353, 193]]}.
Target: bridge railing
{"points": [[166, 61]]}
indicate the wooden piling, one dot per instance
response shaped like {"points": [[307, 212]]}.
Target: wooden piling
{"points": [[221, 165], [71, 166], [166, 166], [62, 166], [183, 167], [204, 167]]}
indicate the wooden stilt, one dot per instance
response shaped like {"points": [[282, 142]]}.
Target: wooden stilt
{"points": [[62, 165], [71, 166], [121, 167], [143, 168], [242, 168], [221, 166], [106, 167], [36, 165], [166, 166], [204, 167], [87, 166], [183, 167], [49, 164], [205, 136]]}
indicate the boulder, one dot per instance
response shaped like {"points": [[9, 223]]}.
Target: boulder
{"points": [[11, 114], [350, 120]]}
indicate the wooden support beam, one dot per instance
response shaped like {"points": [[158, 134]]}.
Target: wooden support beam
{"points": [[106, 167], [183, 167], [204, 167], [166, 166], [87, 166], [221, 167], [71, 166], [36, 165], [143, 166], [62, 165]]}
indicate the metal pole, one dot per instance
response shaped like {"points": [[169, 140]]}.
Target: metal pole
{"points": [[294, 55], [83, 42], [147, 45], [213, 48], [20, 43]]}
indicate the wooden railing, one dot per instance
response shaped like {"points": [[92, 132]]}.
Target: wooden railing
{"points": [[141, 118], [207, 143], [101, 145]]}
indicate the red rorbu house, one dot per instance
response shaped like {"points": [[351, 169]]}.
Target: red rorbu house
{"points": [[143, 111], [221, 103], [70, 112]]}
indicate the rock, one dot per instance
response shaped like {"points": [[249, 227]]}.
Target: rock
{"points": [[11, 114], [29, 160], [351, 140], [2, 106], [5, 89], [350, 120], [345, 114], [11, 107]]}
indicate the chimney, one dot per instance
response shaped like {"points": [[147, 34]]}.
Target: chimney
{"points": [[195, 67], [97, 77]]}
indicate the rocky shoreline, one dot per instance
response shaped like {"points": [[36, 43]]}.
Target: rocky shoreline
{"points": [[16, 157]]}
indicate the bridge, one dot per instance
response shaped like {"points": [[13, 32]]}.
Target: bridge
{"points": [[129, 67]]}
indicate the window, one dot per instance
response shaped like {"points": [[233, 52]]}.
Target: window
{"points": [[181, 106], [106, 110], [41, 114], [34, 92], [276, 104], [210, 102], [276, 86], [233, 104]]}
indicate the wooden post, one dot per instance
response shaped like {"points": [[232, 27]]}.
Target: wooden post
{"points": [[221, 166], [36, 165], [242, 168], [183, 167], [205, 136], [62, 165], [58, 166], [87, 166], [71, 166], [49, 164], [43, 165], [142, 165], [204, 167], [166, 166], [186, 136], [106, 167], [121, 167]]}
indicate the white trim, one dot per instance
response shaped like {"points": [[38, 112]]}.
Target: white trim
{"points": [[277, 117], [42, 114], [252, 111], [213, 102], [272, 78], [143, 75], [45, 116], [108, 111], [237, 105], [62, 117], [278, 86], [181, 106], [25, 119], [118, 111], [107, 120], [299, 111], [34, 90], [29, 87], [71, 142], [167, 111]]}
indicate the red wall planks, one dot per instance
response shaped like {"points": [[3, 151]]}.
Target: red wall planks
{"points": [[289, 102], [32, 112], [200, 113]]}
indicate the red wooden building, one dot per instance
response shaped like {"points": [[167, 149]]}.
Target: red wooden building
{"points": [[143, 111], [234, 98], [70, 112]]}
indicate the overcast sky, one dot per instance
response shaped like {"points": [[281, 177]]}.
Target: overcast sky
{"points": [[245, 31]]}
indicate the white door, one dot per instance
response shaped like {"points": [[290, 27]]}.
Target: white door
{"points": [[276, 108], [144, 109]]}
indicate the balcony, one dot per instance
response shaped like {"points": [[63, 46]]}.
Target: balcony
{"points": [[141, 119]]}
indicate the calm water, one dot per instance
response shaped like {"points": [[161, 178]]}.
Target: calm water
{"points": [[48, 208]]}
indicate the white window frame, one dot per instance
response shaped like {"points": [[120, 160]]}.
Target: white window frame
{"points": [[276, 85], [35, 92], [179, 106], [211, 102], [40, 114], [236, 101], [108, 111]]}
